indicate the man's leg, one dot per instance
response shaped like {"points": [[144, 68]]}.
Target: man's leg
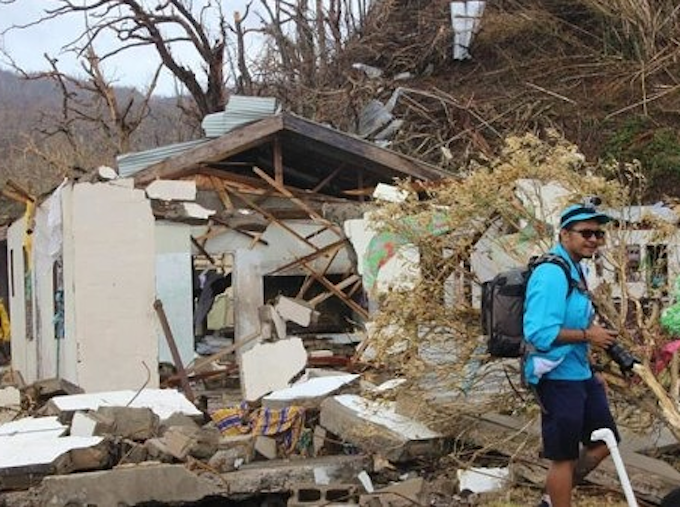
{"points": [[588, 460], [559, 482]]}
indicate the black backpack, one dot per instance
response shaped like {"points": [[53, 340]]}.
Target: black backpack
{"points": [[503, 306]]}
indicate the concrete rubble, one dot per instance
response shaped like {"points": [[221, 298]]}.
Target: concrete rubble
{"points": [[256, 418]]}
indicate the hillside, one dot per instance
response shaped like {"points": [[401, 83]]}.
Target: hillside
{"points": [[32, 148], [605, 74]]}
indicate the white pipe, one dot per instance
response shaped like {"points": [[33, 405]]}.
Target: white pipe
{"points": [[607, 435]]}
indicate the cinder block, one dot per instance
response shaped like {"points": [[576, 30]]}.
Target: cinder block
{"points": [[316, 495]]}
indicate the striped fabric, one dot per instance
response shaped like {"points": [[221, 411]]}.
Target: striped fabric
{"points": [[284, 424]]}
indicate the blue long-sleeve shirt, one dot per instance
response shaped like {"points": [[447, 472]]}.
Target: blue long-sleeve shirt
{"points": [[550, 307]]}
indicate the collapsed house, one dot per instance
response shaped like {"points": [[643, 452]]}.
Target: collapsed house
{"points": [[207, 231]]}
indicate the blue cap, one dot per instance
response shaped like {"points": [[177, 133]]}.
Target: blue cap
{"points": [[580, 213]]}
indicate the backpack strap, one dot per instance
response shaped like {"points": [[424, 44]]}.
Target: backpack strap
{"points": [[561, 262]]}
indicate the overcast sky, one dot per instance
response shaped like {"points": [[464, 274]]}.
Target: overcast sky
{"points": [[28, 46]]}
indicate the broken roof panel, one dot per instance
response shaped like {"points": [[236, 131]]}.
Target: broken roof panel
{"points": [[239, 111], [132, 163], [312, 154]]}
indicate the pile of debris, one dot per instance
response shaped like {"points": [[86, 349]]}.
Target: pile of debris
{"points": [[329, 437]]}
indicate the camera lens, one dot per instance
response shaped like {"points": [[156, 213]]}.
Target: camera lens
{"points": [[622, 357]]}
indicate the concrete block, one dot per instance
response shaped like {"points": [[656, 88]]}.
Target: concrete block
{"points": [[227, 460], [95, 457], [483, 480], [133, 452], [127, 422], [281, 475], [127, 485], [172, 190], [177, 419], [296, 310], [183, 441], [267, 367], [83, 425], [310, 393], [244, 442], [375, 427], [157, 450], [266, 446], [272, 326], [317, 495]]}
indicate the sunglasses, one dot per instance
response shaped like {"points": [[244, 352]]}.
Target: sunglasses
{"points": [[589, 233]]}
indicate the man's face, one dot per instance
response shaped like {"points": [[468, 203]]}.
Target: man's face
{"points": [[582, 239]]}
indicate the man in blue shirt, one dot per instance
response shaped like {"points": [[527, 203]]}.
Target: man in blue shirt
{"points": [[559, 329]]}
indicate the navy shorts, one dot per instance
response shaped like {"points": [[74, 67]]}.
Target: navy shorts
{"points": [[574, 409]]}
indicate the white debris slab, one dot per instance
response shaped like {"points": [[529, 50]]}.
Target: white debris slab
{"points": [[163, 402], [33, 427], [295, 310], [483, 480], [19, 451], [308, 393], [375, 427], [194, 210], [172, 190], [270, 366], [83, 425]]}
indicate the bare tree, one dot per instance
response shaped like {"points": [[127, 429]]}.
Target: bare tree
{"points": [[304, 41], [164, 26]]}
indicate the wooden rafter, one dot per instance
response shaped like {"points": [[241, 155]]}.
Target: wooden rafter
{"points": [[299, 202], [272, 218], [326, 250], [345, 299]]}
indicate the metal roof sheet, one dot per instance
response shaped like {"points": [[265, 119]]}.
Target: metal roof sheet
{"points": [[132, 163], [239, 110]]}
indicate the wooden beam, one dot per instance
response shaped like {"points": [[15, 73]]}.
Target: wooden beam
{"points": [[350, 280], [222, 193], [272, 218], [299, 202], [201, 249], [254, 236], [236, 141], [278, 161], [204, 361], [186, 387], [321, 251], [353, 305], [308, 280], [327, 179], [382, 160]]}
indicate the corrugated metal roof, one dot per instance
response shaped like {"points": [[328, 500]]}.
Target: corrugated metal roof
{"points": [[239, 110], [132, 163]]}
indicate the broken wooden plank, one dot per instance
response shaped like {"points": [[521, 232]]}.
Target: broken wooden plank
{"points": [[324, 281], [326, 250], [299, 202], [165, 325], [520, 440]]}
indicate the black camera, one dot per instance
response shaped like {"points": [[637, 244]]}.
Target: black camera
{"points": [[622, 357]]}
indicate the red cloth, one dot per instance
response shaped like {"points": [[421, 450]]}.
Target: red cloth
{"points": [[663, 357]]}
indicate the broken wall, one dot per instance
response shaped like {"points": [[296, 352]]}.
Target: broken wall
{"points": [[174, 288], [102, 291], [113, 272], [24, 353]]}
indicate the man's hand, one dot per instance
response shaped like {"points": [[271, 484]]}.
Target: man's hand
{"points": [[600, 336]]}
